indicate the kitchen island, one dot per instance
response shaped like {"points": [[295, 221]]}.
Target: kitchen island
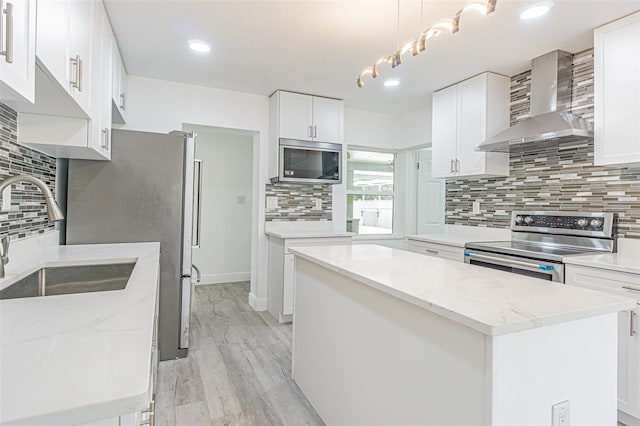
{"points": [[85, 357], [385, 336]]}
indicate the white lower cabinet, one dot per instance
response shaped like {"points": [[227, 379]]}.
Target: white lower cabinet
{"points": [[282, 271], [626, 284], [443, 251]]}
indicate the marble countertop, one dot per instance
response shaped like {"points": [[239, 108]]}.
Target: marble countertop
{"points": [[77, 358], [308, 234], [620, 262], [489, 301], [459, 235]]}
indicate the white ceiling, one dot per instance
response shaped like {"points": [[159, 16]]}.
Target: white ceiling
{"points": [[320, 46]]}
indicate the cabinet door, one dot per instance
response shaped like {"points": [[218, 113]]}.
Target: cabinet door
{"points": [[327, 120], [444, 132], [100, 137], [119, 87], [289, 284], [629, 363], [295, 116], [81, 32], [617, 92], [52, 49], [472, 120], [19, 75]]}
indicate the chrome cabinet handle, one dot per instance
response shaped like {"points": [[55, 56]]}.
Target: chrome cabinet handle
{"points": [[105, 138], [451, 166], [628, 287], [8, 51], [310, 133], [632, 323], [315, 132], [457, 165], [122, 104], [77, 62], [431, 251], [197, 186]]}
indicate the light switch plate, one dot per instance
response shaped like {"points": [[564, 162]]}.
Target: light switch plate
{"points": [[241, 199], [476, 207], [272, 202]]}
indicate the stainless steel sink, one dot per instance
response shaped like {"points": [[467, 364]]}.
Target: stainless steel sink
{"points": [[55, 280]]}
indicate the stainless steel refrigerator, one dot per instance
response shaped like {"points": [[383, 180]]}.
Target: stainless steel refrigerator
{"points": [[145, 193]]}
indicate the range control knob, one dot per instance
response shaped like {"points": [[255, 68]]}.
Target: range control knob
{"points": [[595, 223], [518, 219], [582, 222], [528, 220]]}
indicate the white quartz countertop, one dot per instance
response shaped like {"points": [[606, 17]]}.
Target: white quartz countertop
{"points": [[627, 262], [492, 302], [459, 235], [76, 358], [308, 234]]}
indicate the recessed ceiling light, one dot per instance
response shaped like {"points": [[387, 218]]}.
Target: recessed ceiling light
{"points": [[199, 46], [536, 11], [391, 83]]}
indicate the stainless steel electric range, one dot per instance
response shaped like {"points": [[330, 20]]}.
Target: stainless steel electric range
{"points": [[540, 240]]}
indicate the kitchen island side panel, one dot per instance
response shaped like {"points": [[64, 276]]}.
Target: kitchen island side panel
{"points": [[574, 361], [362, 356]]}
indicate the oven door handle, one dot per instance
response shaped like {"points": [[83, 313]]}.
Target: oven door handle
{"points": [[537, 267]]}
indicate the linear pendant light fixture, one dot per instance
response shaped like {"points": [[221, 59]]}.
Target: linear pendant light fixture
{"points": [[418, 45]]}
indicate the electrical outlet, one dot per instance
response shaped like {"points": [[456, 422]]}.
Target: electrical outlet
{"points": [[272, 202], [241, 199], [6, 199], [476, 207], [318, 202], [560, 414]]}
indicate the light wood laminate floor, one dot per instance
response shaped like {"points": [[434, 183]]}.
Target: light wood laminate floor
{"points": [[238, 371]]}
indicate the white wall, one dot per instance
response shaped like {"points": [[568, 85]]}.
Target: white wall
{"points": [[224, 254], [414, 128], [370, 129], [162, 106]]}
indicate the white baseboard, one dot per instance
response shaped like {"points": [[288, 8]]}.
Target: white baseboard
{"points": [[232, 277], [258, 304]]}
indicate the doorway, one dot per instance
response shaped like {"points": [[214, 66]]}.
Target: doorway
{"points": [[224, 214], [430, 197]]}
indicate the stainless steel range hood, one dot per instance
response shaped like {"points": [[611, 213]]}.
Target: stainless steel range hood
{"points": [[549, 121]]}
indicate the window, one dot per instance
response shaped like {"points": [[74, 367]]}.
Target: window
{"points": [[370, 192]]}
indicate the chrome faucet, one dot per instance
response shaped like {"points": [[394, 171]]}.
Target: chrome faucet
{"points": [[53, 210]]}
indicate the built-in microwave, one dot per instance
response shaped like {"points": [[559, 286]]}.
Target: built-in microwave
{"points": [[309, 162]]}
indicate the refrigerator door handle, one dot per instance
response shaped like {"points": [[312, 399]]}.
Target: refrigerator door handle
{"points": [[197, 199]]}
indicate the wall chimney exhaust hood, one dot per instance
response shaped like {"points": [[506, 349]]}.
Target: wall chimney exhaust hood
{"points": [[549, 122]]}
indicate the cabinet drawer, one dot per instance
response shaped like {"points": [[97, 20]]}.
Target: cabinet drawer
{"points": [[621, 283], [301, 242], [438, 250]]}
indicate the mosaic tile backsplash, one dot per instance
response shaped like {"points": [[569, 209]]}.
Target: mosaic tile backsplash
{"points": [[296, 202], [561, 178], [28, 214]]}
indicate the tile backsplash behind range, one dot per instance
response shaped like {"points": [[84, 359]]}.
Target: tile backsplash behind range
{"points": [[551, 179], [28, 214], [296, 202]]}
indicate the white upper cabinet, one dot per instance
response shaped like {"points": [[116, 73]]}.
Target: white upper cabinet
{"points": [[64, 48], [72, 114], [464, 115], [100, 139], [52, 49], [444, 128], [617, 92], [119, 87], [311, 118], [18, 47]]}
